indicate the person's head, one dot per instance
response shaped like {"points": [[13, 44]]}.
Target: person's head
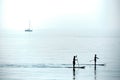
{"points": [[75, 56]]}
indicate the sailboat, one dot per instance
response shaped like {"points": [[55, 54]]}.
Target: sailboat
{"points": [[28, 30]]}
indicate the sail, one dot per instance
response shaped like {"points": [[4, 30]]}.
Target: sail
{"points": [[29, 30]]}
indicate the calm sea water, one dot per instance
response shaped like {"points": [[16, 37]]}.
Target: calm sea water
{"points": [[45, 56]]}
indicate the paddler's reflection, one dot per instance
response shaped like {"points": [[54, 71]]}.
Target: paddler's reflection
{"points": [[95, 74], [73, 73]]}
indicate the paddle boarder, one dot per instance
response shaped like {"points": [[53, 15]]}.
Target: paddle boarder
{"points": [[95, 60], [74, 61]]}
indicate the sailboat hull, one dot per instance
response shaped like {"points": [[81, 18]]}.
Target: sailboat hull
{"points": [[28, 30]]}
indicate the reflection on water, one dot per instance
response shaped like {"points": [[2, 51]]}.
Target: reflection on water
{"points": [[94, 72], [73, 73], [95, 77]]}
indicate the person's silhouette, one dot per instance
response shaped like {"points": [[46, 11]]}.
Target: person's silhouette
{"points": [[95, 60], [74, 61]]}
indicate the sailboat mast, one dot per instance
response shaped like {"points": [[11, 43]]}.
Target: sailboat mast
{"points": [[29, 24]]}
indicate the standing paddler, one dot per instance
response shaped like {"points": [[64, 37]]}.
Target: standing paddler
{"points": [[95, 60], [74, 61]]}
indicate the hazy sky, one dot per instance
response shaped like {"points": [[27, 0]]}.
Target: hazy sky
{"points": [[85, 16], [61, 18]]}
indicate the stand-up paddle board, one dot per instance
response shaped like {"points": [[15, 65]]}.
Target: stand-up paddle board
{"points": [[93, 64], [77, 67]]}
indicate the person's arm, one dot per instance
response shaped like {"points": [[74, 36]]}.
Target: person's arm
{"points": [[97, 57]]}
